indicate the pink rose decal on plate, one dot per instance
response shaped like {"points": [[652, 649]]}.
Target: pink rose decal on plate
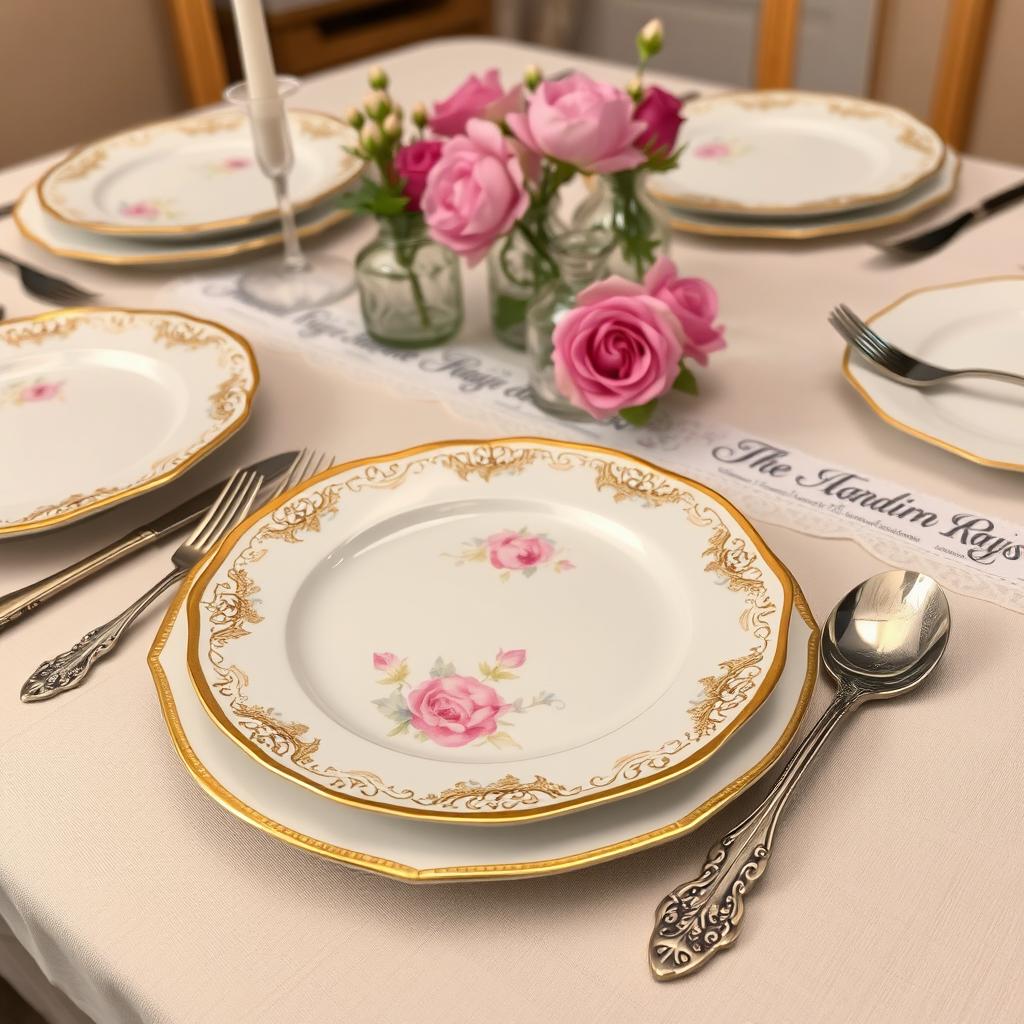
{"points": [[586, 124], [713, 150], [478, 96], [519, 552], [694, 302], [454, 710], [619, 348], [142, 209], [475, 192], [38, 391]]}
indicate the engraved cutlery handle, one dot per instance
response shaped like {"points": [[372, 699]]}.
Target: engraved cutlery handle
{"points": [[699, 918], [18, 603], [68, 670]]}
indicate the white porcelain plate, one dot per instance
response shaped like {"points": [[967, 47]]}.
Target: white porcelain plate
{"points": [[970, 324], [77, 244], [97, 405], [935, 190], [489, 631], [432, 851], [193, 176], [781, 152]]}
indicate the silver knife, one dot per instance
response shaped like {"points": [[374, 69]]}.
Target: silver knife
{"points": [[18, 603]]}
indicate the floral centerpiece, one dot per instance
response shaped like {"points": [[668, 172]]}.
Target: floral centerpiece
{"points": [[410, 289], [543, 133]]}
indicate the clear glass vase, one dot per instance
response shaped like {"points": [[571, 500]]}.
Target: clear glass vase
{"points": [[582, 259], [517, 268], [410, 288], [621, 204]]}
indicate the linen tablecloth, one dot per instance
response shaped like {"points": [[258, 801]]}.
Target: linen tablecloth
{"points": [[892, 895]]}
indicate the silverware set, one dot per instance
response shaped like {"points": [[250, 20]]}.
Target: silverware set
{"points": [[218, 510]]}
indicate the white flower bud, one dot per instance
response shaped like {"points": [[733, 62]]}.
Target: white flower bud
{"points": [[420, 115], [354, 117], [392, 126], [532, 76], [652, 35], [378, 77], [371, 137], [377, 105]]}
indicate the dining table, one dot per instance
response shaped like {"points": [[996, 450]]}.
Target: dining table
{"points": [[127, 896]]}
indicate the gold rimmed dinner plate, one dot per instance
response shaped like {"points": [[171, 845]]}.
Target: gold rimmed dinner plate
{"points": [[489, 632], [968, 323], [788, 153], [99, 405], [194, 176], [426, 851], [112, 250], [933, 192]]}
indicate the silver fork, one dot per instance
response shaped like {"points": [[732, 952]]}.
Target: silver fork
{"points": [[68, 670], [897, 363], [48, 287]]}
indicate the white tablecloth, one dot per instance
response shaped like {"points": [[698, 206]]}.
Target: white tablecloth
{"points": [[892, 892]]}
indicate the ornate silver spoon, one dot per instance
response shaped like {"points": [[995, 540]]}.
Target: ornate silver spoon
{"points": [[881, 640]]}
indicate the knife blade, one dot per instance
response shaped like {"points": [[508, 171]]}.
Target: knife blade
{"points": [[18, 603]]}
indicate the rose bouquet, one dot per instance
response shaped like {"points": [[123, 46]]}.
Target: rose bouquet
{"points": [[409, 286], [623, 344]]}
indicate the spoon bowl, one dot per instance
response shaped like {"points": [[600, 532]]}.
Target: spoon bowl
{"points": [[885, 637]]}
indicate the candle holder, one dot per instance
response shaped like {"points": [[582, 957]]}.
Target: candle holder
{"points": [[297, 282]]}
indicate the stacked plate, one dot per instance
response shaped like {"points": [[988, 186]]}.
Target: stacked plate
{"points": [[796, 165], [582, 651], [185, 190]]}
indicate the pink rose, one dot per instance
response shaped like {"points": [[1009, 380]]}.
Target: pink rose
{"points": [[617, 349], [475, 192], [510, 550], [694, 302], [412, 164], [384, 662], [476, 97], [660, 112], [41, 391], [581, 122], [511, 659], [455, 710]]}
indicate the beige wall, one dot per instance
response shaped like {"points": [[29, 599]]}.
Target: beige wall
{"points": [[74, 69]]}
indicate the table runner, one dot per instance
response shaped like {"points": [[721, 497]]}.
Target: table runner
{"points": [[146, 902]]}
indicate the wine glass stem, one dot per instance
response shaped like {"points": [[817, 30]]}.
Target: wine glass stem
{"points": [[293, 257]]}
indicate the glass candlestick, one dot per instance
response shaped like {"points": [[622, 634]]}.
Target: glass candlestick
{"points": [[297, 282]]}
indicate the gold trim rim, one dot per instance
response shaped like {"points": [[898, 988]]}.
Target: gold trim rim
{"points": [[161, 479], [906, 428], [208, 254], [207, 227], [220, 794], [795, 233], [865, 201], [204, 690]]}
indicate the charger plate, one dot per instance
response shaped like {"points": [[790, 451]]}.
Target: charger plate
{"points": [[76, 244], [194, 176], [977, 323], [937, 189], [487, 632], [789, 153], [427, 851], [98, 405]]}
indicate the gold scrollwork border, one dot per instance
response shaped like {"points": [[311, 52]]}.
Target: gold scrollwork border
{"points": [[220, 794], [233, 394], [91, 156], [268, 739], [912, 136], [906, 428]]}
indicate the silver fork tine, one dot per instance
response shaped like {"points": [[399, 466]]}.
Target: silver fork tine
{"points": [[228, 505], [211, 511], [238, 513]]}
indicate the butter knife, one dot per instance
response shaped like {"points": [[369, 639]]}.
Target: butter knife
{"points": [[18, 603]]}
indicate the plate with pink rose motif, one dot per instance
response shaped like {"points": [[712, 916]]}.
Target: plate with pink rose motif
{"points": [[488, 632]]}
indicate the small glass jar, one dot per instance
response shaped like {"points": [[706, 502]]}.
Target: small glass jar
{"points": [[582, 259], [621, 204], [410, 287], [518, 266]]}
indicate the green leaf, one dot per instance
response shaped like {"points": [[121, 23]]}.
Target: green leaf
{"points": [[638, 415], [502, 741], [685, 382], [401, 727], [508, 311]]}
